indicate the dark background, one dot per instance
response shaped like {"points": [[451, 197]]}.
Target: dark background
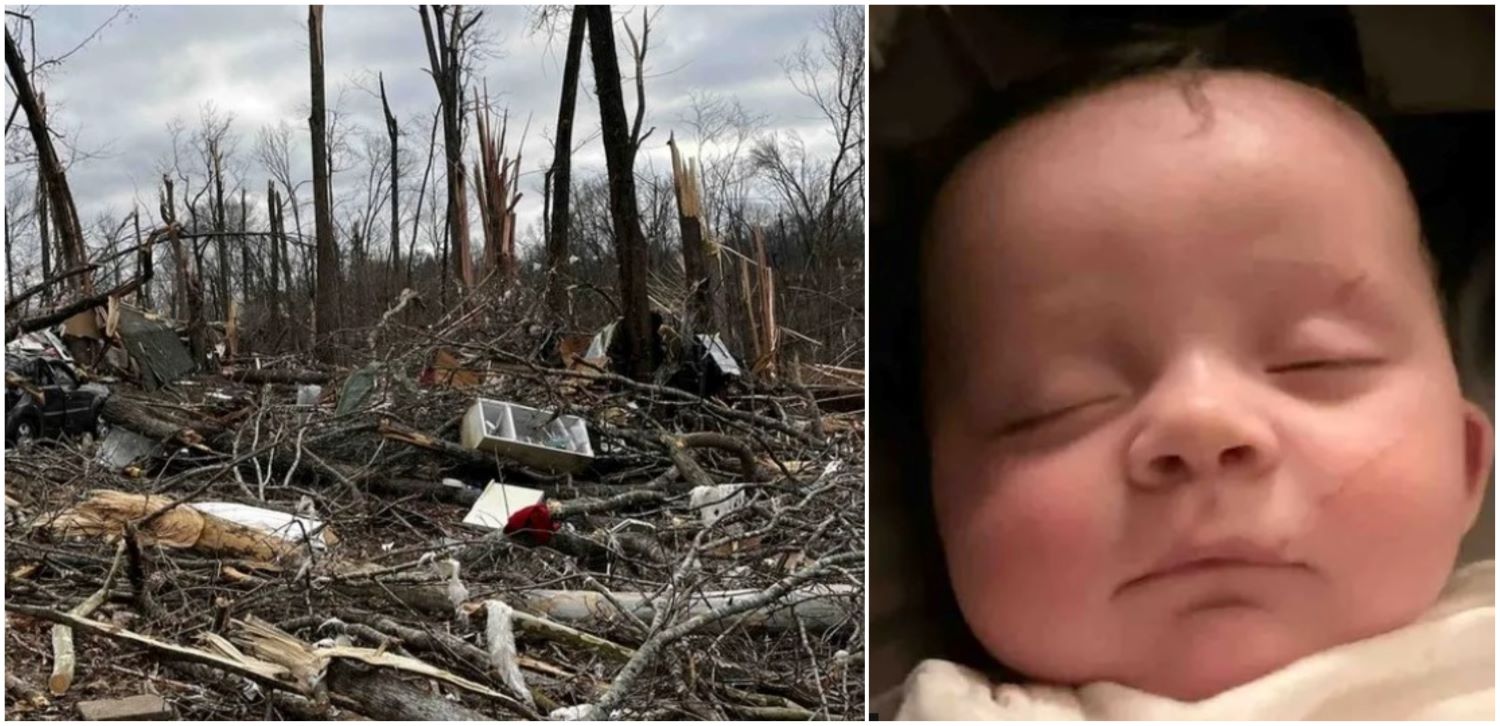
{"points": [[945, 78]]}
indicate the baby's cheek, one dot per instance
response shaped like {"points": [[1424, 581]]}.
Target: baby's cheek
{"points": [[1393, 524], [1027, 543]]}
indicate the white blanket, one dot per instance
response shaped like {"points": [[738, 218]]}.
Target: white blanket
{"points": [[1441, 667]]}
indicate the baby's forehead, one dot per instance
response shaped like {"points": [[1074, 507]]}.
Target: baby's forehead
{"points": [[1144, 148], [1178, 106]]}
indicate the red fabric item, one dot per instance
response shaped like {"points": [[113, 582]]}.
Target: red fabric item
{"points": [[532, 524]]}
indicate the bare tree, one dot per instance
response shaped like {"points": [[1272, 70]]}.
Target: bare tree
{"points": [[326, 305], [833, 79], [446, 29], [15, 217], [393, 131], [49, 168], [561, 177], [189, 291], [638, 49], [619, 156], [214, 146], [723, 129], [416, 220]]}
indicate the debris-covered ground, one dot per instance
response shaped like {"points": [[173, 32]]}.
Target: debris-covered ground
{"points": [[640, 586]]}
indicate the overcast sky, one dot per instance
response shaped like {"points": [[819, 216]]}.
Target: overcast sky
{"points": [[152, 64]]}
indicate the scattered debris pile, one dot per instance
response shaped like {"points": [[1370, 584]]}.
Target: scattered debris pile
{"points": [[447, 531]]}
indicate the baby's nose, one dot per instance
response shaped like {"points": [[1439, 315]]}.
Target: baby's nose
{"points": [[1197, 436]]}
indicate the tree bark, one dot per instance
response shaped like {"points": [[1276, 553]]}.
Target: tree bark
{"points": [[393, 131], [562, 155], [143, 261], [10, 263], [443, 52], [384, 696], [273, 214], [44, 229], [189, 290], [247, 270], [220, 225], [325, 313], [416, 220], [699, 312], [619, 157], [49, 169]]}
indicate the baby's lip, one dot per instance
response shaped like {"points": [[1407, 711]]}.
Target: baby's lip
{"points": [[1237, 552]]}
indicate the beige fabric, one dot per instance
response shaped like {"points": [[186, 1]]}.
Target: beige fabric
{"points": [[1441, 667]]}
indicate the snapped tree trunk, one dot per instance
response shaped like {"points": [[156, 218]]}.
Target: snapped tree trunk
{"points": [[189, 290], [49, 170], [325, 313], [619, 159], [393, 131], [278, 230], [699, 313], [143, 261], [562, 156], [220, 225]]}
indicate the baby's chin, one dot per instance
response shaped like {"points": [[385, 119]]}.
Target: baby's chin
{"points": [[1216, 649], [1198, 655]]}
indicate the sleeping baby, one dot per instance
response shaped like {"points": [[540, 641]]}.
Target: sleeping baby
{"points": [[1198, 444]]}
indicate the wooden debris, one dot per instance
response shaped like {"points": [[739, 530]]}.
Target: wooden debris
{"points": [[63, 658], [106, 513], [143, 707]]}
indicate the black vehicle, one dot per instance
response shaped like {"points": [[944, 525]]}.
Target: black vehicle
{"points": [[65, 407]]}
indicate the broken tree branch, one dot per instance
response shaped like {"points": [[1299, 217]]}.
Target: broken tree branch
{"points": [[63, 658]]}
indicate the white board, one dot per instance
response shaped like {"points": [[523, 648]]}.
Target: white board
{"points": [[498, 502]]}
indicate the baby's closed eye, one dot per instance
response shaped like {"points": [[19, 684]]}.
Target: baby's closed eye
{"points": [[1325, 364], [1327, 379], [1042, 416]]}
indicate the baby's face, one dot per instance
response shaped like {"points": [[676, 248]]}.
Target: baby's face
{"points": [[1191, 408]]}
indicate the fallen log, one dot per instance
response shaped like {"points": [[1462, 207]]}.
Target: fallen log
{"points": [[819, 607], [137, 418], [540, 627], [397, 432], [59, 314], [48, 283], [383, 696]]}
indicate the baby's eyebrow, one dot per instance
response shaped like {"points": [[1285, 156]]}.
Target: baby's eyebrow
{"points": [[1345, 292]]}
